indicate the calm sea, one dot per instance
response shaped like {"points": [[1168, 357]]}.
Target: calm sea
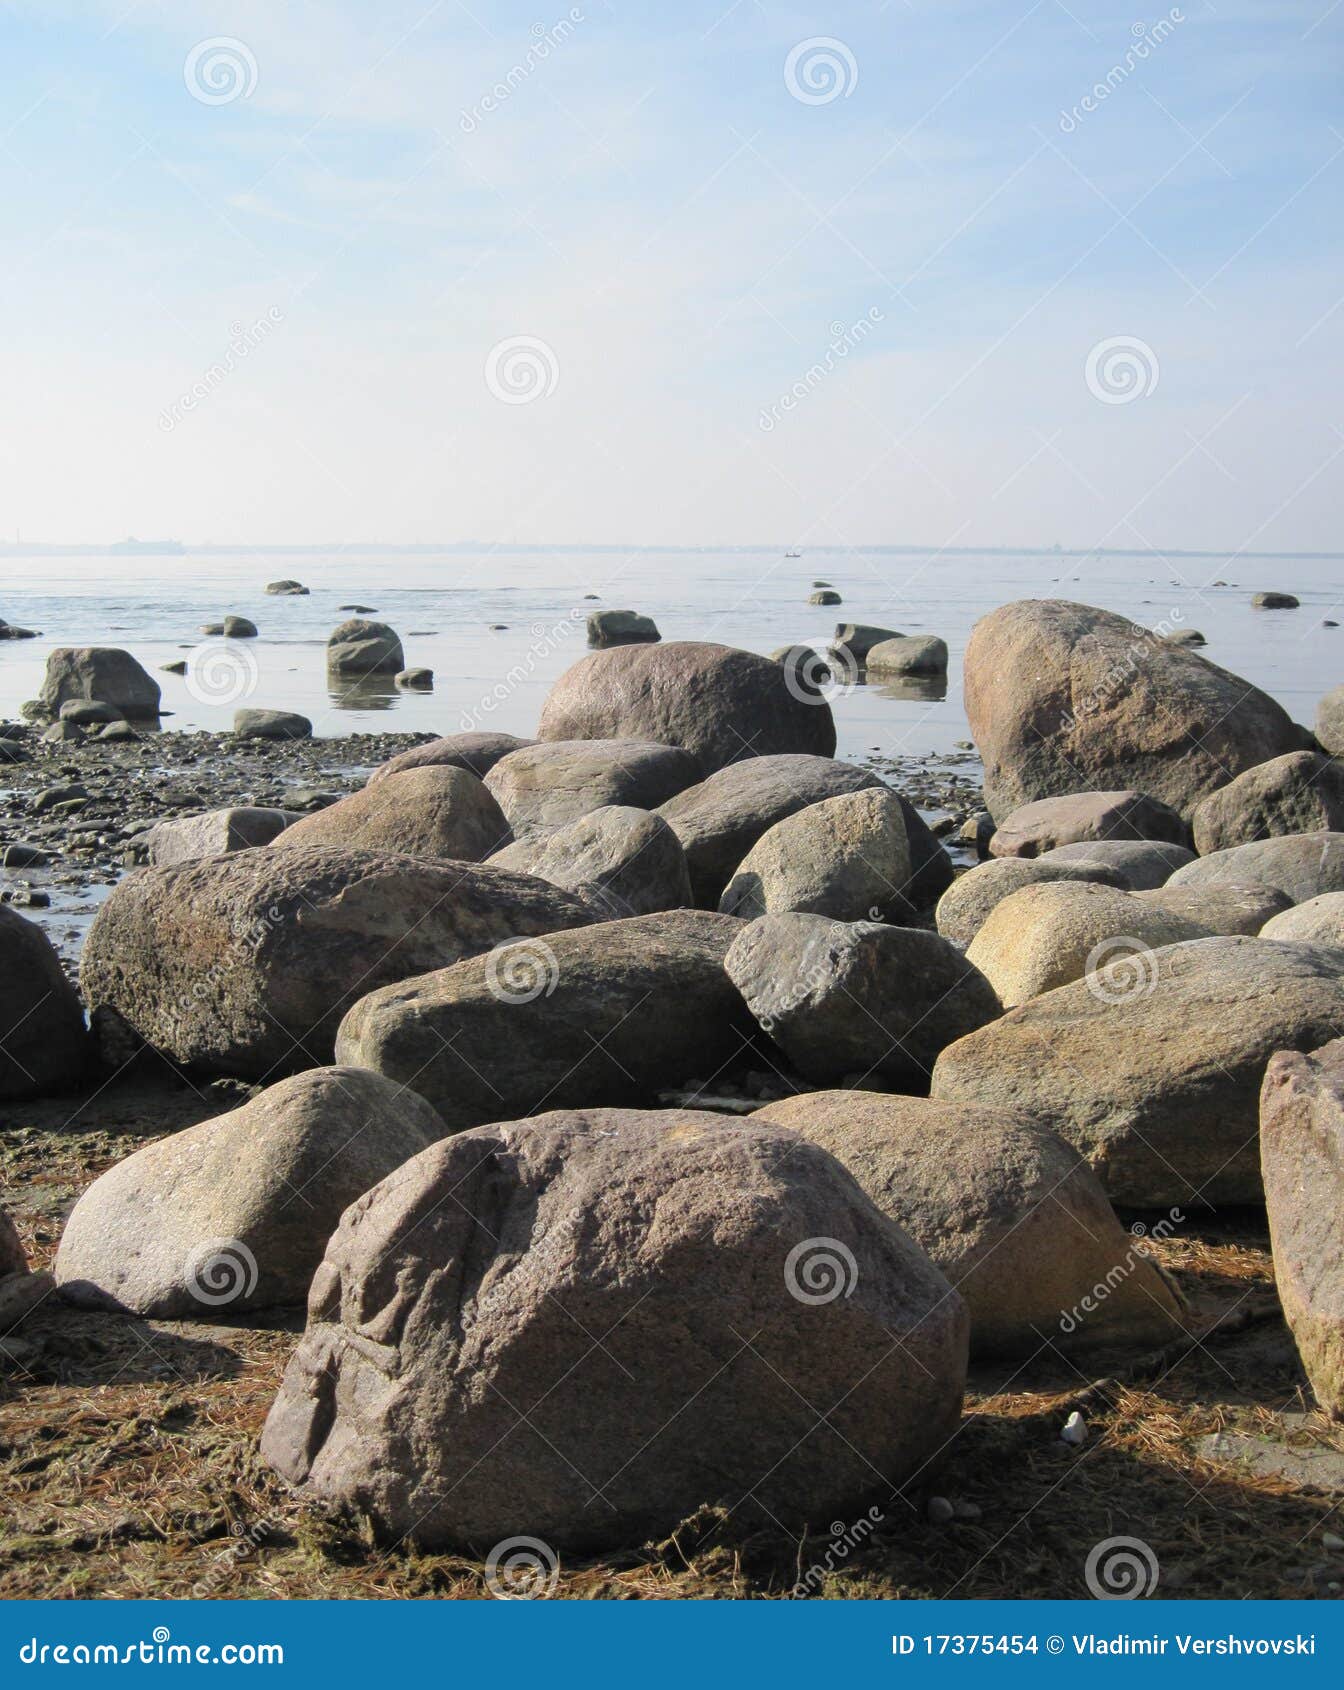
{"points": [[498, 627]]}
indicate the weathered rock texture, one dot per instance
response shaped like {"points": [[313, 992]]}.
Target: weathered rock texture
{"points": [[547, 784], [621, 860], [432, 811], [42, 1035]]}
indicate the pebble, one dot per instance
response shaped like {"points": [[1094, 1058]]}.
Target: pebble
{"points": [[1075, 1430], [940, 1511], [1331, 1540]]}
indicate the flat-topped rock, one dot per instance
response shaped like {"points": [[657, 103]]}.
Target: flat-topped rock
{"points": [[545, 785], [432, 811], [1301, 792], [1086, 817]]}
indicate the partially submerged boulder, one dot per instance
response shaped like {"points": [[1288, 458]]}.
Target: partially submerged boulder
{"points": [[1010, 1213], [735, 1279], [1300, 865], [620, 627], [234, 1214], [545, 785], [245, 964], [621, 860], [908, 654], [431, 811], [857, 999], [612, 1014], [1301, 792], [855, 640], [716, 702], [214, 834], [1063, 697], [42, 1035], [1153, 1070], [105, 673], [361, 647], [1302, 1152], [1080, 817]]}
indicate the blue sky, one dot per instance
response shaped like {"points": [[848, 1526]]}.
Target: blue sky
{"points": [[908, 308]]}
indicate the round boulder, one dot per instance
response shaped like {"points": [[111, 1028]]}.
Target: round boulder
{"points": [[1080, 817], [102, 673], [1330, 722], [623, 861], [1143, 864], [477, 753], [1302, 792], [552, 782], [42, 1035], [964, 908], [1320, 921], [1219, 909], [361, 647], [908, 654], [1300, 865], [432, 811], [449, 1388]]}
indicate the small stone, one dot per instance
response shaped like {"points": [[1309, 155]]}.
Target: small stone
{"points": [[1331, 1540], [22, 855], [968, 1510], [940, 1511], [1075, 1430]]}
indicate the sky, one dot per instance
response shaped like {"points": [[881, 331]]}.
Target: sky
{"points": [[923, 272]]}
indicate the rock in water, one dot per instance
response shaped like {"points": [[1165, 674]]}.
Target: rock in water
{"points": [[214, 834], [1011, 1214], [965, 907], [620, 627], [271, 724], [1082, 817], [735, 1278], [361, 647], [1300, 793], [545, 785], [477, 753], [825, 595], [287, 589], [858, 998], [433, 811], [719, 820], [621, 860], [1062, 696], [1275, 601], [909, 654], [245, 964], [102, 673], [855, 640], [239, 628], [42, 1035], [1302, 1151], [847, 857], [1300, 865], [612, 1014], [1151, 1067], [716, 702], [234, 1214]]}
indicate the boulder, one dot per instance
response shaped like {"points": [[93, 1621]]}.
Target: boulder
{"points": [[847, 857], [1302, 1153], [1062, 697], [105, 673], [909, 654], [239, 628], [12, 1256], [361, 647], [1219, 909], [1275, 601], [477, 753], [1320, 921], [858, 999], [620, 627], [719, 820], [234, 1214], [416, 680], [271, 724], [8, 631], [245, 964], [623, 861], [433, 811], [1011, 1214], [287, 589], [856, 639], [1300, 865], [1330, 722], [85, 712], [20, 1290], [213, 834], [1142, 864], [670, 1300], [1301, 792], [716, 702], [824, 595], [545, 785], [42, 1035], [964, 908], [612, 1014], [1081, 817], [1153, 1070], [1045, 936], [1184, 636]]}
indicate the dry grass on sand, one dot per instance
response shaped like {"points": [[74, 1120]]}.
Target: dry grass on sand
{"points": [[128, 1462]]}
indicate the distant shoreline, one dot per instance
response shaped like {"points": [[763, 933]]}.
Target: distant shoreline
{"points": [[169, 548]]}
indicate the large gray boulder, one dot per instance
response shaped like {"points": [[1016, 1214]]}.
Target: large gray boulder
{"points": [[1300, 865], [720, 819], [1219, 909], [621, 860], [847, 857], [1048, 935], [234, 1214], [613, 1014], [620, 627], [361, 647], [1080, 817], [854, 640], [104, 673], [42, 1035], [1143, 864], [966, 905], [670, 1299], [1320, 921], [1330, 722], [1302, 792], [432, 811], [1302, 1153], [475, 752], [245, 964], [716, 702], [1063, 697], [271, 724], [215, 833], [545, 785], [1152, 1069], [1011, 1214], [908, 654], [846, 1000]]}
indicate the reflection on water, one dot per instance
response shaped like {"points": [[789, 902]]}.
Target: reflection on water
{"points": [[927, 689], [363, 692]]}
